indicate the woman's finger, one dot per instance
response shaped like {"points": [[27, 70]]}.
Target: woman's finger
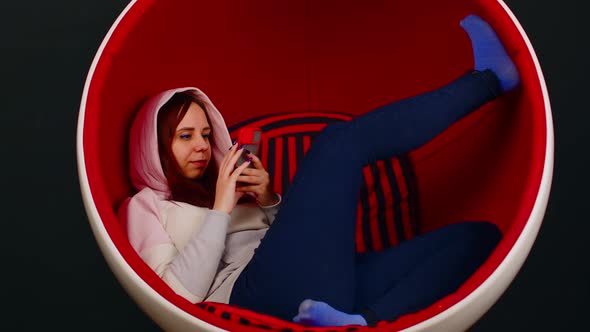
{"points": [[250, 179], [234, 159], [256, 161], [238, 171], [224, 160], [249, 189], [253, 171], [225, 168]]}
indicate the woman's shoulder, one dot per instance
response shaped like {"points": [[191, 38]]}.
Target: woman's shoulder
{"points": [[149, 198], [141, 216], [149, 202]]}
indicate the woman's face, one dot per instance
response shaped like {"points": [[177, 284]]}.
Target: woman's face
{"points": [[190, 145]]}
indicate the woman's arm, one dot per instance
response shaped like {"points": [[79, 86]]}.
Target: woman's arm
{"points": [[195, 266], [189, 271]]}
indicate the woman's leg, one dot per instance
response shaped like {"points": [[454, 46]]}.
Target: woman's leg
{"points": [[421, 271], [489, 53], [309, 250], [410, 276]]}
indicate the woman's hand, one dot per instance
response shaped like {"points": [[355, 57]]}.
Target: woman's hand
{"points": [[257, 181], [226, 196]]}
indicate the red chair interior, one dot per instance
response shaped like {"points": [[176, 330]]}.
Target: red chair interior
{"points": [[258, 58]]}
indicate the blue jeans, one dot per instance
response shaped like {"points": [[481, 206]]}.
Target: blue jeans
{"points": [[309, 251]]}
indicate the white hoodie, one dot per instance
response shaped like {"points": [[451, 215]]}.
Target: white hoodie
{"points": [[198, 252]]}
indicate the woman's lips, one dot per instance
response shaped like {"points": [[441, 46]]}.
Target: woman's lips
{"points": [[199, 163]]}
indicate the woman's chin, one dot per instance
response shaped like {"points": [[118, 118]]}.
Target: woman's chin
{"points": [[194, 176]]}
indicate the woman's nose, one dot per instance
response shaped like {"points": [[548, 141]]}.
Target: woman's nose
{"points": [[200, 144]]}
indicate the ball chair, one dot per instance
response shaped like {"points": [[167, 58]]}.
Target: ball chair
{"points": [[266, 61]]}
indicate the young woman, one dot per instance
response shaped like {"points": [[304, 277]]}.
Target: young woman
{"points": [[187, 224]]}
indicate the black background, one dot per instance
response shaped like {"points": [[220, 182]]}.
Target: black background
{"points": [[53, 274]]}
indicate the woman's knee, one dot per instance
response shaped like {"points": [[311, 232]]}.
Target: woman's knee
{"points": [[479, 234], [333, 137], [333, 131]]}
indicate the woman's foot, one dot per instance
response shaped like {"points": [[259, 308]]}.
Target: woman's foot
{"points": [[316, 313], [489, 53]]}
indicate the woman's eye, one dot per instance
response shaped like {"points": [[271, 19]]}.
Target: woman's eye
{"points": [[206, 136], [185, 136]]}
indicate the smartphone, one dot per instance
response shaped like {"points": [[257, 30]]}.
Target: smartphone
{"points": [[250, 138]]}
